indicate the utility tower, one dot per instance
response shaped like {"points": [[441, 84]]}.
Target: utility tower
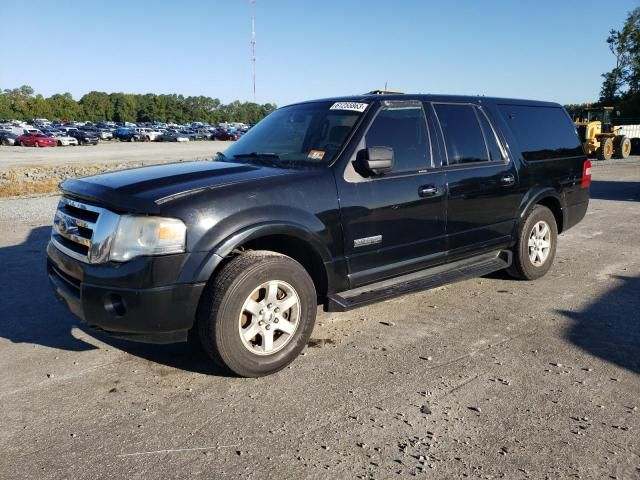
{"points": [[253, 45]]}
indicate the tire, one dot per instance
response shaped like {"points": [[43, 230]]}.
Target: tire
{"points": [[36, 144], [223, 313], [59, 143], [524, 267], [605, 152], [622, 147]]}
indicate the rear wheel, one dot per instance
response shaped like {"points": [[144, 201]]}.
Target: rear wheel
{"points": [[605, 152], [623, 147], [257, 314], [536, 248]]}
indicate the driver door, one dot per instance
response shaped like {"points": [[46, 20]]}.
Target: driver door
{"points": [[396, 222]]}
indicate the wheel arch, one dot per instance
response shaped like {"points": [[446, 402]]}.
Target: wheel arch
{"points": [[550, 199], [292, 240]]}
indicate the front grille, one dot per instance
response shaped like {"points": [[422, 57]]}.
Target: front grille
{"points": [[83, 231]]}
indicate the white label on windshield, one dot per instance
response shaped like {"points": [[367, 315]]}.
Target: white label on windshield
{"points": [[355, 106]]}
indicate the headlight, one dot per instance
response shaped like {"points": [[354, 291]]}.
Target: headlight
{"points": [[137, 235]]}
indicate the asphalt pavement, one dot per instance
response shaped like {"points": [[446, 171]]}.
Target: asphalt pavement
{"points": [[488, 378]]}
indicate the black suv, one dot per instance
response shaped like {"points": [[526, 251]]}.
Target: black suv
{"points": [[340, 202], [84, 137]]}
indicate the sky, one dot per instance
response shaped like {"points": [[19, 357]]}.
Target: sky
{"points": [[306, 49]]}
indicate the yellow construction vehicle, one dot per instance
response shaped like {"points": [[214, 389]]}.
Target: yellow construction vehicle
{"points": [[599, 136]]}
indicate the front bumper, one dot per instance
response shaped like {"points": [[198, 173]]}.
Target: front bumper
{"points": [[136, 300]]}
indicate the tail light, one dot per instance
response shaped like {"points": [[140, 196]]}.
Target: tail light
{"points": [[586, 174]]}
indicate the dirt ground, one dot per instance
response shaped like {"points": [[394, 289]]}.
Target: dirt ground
{"points": [[109, 152], [489, 378], [29, 171]]}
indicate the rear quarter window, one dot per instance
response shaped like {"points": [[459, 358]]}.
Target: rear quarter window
{"points": [[543, 133]]}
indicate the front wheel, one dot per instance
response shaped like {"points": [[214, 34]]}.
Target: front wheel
{"points": [[605, 152], [257, 314], [536, 248]]}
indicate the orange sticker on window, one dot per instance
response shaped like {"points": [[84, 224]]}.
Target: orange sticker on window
{"points": [[316, 154]]}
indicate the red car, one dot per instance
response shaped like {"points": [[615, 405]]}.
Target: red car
{"points": [[226, 135], [36, 140]]}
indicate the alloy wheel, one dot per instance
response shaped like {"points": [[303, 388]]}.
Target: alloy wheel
{"points": [[539, 243], [269, 317]]}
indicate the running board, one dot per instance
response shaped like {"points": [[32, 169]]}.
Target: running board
{"points": [[417, 281]]}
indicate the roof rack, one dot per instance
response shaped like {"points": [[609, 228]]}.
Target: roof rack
{"points": [[385, 92]]}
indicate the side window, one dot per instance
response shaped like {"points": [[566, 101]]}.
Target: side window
{"points": [[543, 133], [495, 153], [402, 127], [463, 137]]}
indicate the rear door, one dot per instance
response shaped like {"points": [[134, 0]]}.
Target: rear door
{"points": [[483, 188], [394, 223]]}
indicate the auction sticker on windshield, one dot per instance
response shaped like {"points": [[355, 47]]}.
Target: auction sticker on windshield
{"points": [[316, 154], [354, 106]]}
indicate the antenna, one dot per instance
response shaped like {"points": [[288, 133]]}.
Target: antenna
{"points": [[253, 45]]}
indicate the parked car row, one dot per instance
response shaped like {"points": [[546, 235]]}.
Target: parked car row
{"points": [[64, 134]]}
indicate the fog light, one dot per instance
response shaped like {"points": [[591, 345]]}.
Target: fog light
{"points": [[114, 304]]}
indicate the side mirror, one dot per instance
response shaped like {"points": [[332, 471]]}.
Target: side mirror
{"points": [[374, 161]]}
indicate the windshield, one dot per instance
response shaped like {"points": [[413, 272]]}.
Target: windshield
{"points": [[308, 134]]}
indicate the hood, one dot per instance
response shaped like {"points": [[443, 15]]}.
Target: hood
{"points": [[145, 189]]}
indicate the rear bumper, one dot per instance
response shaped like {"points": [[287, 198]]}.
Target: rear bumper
{"points": [[573, 214], [156, 314]]}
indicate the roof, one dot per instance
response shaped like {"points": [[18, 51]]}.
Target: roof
{"points": [[432, 98]]}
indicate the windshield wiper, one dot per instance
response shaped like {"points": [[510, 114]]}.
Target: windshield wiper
{"points": [[257, 155], [272, 159]]}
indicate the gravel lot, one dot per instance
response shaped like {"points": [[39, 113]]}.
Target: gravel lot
{"points": [[109, 152], [489, 378]]}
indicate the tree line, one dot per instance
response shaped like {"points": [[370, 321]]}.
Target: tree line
{"points": [[24, 104], [621, 85]]}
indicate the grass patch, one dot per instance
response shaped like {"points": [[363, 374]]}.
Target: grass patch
{"points": [[17, 189]]}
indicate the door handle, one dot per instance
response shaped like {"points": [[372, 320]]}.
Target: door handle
{"points": [[428, 191], [508, 180]]}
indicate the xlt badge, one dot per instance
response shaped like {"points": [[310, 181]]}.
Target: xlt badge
{"points": [[363, 242]]}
